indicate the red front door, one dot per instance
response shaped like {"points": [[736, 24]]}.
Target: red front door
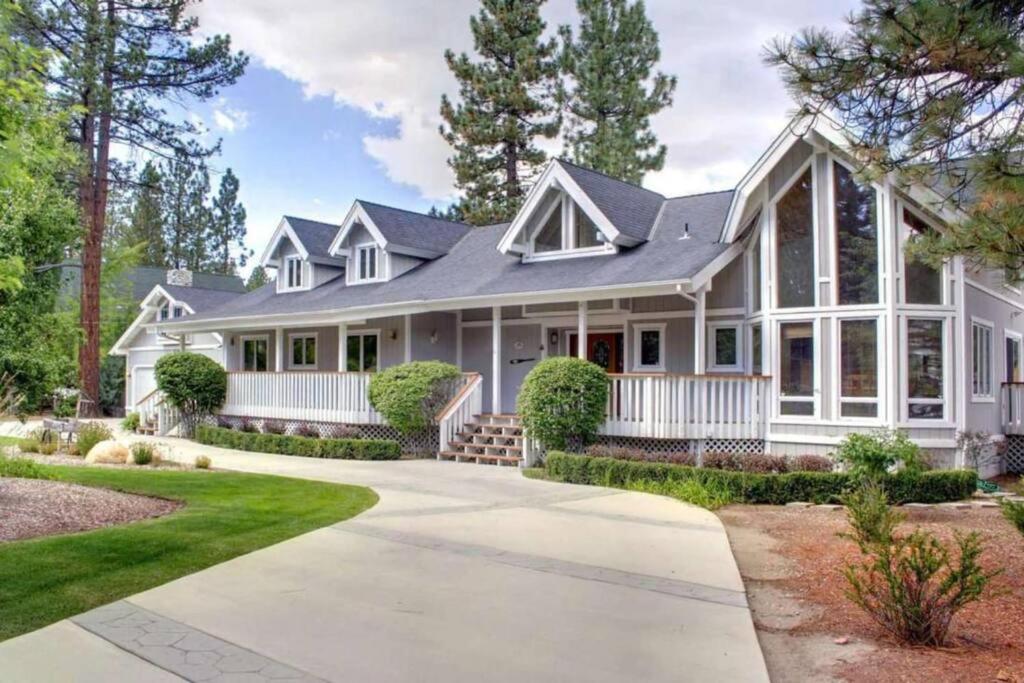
{"points": [[603, 348]]}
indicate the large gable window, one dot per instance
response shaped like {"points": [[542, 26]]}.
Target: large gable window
{"points": [[922, 284], [563, 227], [794, 216], [856, 238]]}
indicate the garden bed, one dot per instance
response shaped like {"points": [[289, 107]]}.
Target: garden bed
{"points": [[37, 507], [791, 561]]}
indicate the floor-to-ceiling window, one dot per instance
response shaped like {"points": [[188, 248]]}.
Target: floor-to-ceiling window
{"points": [[794, 243]]}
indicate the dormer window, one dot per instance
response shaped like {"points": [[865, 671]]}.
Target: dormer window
{"points": [[565, 229], [294, 274], [178, 311], [366, 260]]}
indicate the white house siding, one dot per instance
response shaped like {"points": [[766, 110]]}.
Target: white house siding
{"points": [[427, 325], [323, 274], [392, 338], [728, 287], [146, 349]]}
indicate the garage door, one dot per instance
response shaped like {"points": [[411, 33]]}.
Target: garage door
{"points": [[143, 382]]}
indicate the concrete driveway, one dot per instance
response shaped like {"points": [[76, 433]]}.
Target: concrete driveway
{"points": [[460, 573]]}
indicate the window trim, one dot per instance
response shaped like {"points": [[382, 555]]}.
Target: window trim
{"points": [[292, 338], [948, 419], [990, 327], [283, 282], [177, 311], [773, 232], [362, 333], [713, 328], [1019, 339], [748, 344], [565, 204], [880, 373], [638, 329], [164, 312], [815, 397], [905, 232], [834, 235], [241, 350]]}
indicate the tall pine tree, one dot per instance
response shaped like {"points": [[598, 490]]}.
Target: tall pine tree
{"points": [[614, 90], [187, 218], [146, 219], [227, 225], [507, 101], [257, 278]]}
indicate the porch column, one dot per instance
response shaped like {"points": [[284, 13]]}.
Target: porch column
{"points": [[408, 338], [496, 359], [699, 332], [458, 338], [225, 344], [181, 342], [581, 332], [279, 350], [342, 347]]}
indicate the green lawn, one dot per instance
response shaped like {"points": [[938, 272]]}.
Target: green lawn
{"points": [[8, 441], [226, 515]]}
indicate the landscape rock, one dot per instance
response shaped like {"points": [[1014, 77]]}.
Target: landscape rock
{"points": [[108, 452]]}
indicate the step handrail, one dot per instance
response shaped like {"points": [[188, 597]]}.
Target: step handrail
{"points": [[468, 401]]}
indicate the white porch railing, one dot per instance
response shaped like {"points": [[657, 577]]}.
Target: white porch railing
{"points": [[1011, 407], [687, 406], [314, 396], [466, 403], [154, 409]]}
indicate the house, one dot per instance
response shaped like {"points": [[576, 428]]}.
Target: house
{"points": [[779, 316]]}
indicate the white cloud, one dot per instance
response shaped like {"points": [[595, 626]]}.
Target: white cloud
{"points": [[229, 119], [386, 59]]}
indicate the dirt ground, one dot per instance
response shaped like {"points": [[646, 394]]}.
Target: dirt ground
{"points": [[791, 560]]}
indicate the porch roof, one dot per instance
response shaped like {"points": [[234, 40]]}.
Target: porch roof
{"points": [[475, 268]]}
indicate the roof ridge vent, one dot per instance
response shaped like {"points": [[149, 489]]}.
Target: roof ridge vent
{"points": [[686, 231]]}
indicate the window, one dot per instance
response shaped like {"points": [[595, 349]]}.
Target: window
{"points": [[925, 390], [755, 275], [795, 244], [564, 227], [649, 347], [164, 313], [293, 272], [254, 354], [796, 369], [1013, 358], [725, 347], [755, 350], [361, 352], [858, 368], [585, 233], [549, 238], [981, 355], [179, 311], [367, 262], [856, 238], [303, 351], [922, 284]]}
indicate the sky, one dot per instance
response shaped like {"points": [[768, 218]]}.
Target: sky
{"points": [[341, 98]]}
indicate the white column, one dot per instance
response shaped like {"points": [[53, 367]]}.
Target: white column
{"points": [[581, 330], [279, 350], [699, 333], [496, 359], [225, 345], [408, 337], [342, 347]]}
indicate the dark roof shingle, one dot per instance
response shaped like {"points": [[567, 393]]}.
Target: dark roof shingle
{"points": [[315, 236], [631, 209], [415, 230]]}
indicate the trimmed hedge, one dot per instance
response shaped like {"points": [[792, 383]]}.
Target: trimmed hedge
{"points": [[937, 486], [342, 449]]}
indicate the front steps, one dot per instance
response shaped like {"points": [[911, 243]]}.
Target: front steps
{"points": [[490, 439]]}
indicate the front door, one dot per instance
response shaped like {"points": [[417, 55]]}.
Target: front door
{"points": [[603, 348]]}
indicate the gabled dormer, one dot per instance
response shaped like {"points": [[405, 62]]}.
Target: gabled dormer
{"points": [[574, 212], [379, 243], [298, 249]]}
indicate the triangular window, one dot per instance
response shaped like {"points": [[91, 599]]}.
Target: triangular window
{"points": [[561, 226]]}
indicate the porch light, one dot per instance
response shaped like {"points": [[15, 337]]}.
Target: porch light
{"points": [[433, 336]]}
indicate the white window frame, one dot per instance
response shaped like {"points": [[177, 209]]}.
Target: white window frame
{"points": [[834, 244], [748, 344], [815, 397], [713, 361], [815, 237], [638, 329], [284, 282], [982, 326], [1018, 338], [295, 336], [565, 204], [880, 370], [947, 420], [378, 262], [241, 350], [164, 312], [751, 256], [905, 233], [178, 311], [362, 333]]}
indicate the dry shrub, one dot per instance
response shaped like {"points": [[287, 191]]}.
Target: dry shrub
{"points": [[810, 463], [764, 463], [721, 461]]}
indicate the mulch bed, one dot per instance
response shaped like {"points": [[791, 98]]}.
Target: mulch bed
{"points": [[34, 507], [987, 641]]}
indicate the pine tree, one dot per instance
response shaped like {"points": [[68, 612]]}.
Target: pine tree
{"points": [[187, 218], [452, 212], [507, 102], [146, 219], [228, 228], [929, 90], [257, 278], [614, 95]]}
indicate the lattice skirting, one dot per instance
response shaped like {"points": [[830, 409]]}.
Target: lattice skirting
{"points": [[425, 443], [1014, 454], [734, 446], [652, 445]]}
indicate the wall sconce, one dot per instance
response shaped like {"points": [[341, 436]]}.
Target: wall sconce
{"points": [[434, 336], [394, 335], [554, 339], [231, 339]]}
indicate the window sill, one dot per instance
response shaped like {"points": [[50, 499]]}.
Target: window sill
{"points": [[983, 399], [648, 368]]}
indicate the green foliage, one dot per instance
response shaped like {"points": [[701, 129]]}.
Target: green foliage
{"points": [[257, 278], [48, 447], [194, 384], [930, 90], [562, 401], [711, 494], [507, 101], [23, 468], [978, 448], [410, 395], [65, 402], [144, 453], [343, 449], [873, 455], [130, 422], [615, 93], [203, 462], [90, 434], [870, 516], [1013, 511], [29, 445], [770, 489]]}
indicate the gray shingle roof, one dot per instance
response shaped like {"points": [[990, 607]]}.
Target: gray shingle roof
{"points": [[201, 299], [475, 267], [415, 230], [315, 236], [631, 209]]}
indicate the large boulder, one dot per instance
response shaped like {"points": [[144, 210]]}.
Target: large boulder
{"points": [[108, 452]]}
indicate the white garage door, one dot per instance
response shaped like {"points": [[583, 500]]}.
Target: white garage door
{"points": [[143, 382]]}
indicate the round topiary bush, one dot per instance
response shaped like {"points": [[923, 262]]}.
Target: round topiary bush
{"points": [[562, 402], [410, 395], [194, 384]]}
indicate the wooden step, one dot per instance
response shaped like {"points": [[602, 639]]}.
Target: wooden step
{"points": [[480, 458], [465, 445], [481, 435]]}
